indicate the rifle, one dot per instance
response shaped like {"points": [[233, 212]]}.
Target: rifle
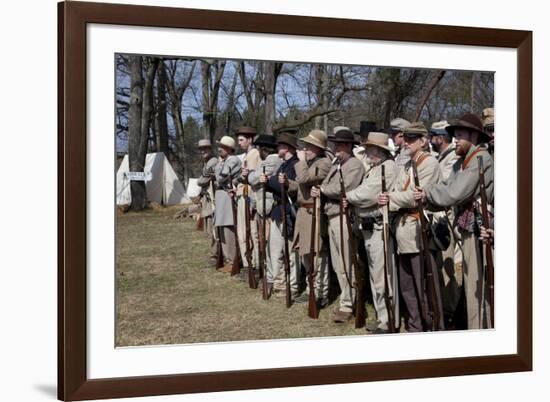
{"points": [[236, 268], [312, 310], [219, 249], [489, 267], [252, 284], [263, 244], [360, 312], [388, 299], [200, 224], [286, 256], [426, 261]]}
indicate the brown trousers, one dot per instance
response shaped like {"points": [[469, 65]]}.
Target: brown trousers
{"points": [[415, 296]]}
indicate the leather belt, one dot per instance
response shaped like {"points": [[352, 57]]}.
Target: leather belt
{"points": [[307, 204]]}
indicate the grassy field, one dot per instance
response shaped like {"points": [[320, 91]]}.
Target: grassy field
{"points": [[167, 293]]}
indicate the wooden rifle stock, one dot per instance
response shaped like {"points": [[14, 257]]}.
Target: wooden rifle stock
{"points": [[312, 310], [252, 284], [425, 260], [360, 311], [489, 267], [388, 299], [286, 256]]}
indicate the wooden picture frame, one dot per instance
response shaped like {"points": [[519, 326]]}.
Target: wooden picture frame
{"points": [[73, 17]]}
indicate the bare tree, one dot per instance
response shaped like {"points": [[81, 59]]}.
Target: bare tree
{"points": [[139, 119], [437, 75], [212, 74], [161, 123], [176, 90]]}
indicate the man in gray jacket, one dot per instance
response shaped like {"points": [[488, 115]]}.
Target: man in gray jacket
{"points": [[461, 190], [227, 170], [365, 200], [442, 143], [205, 181]]}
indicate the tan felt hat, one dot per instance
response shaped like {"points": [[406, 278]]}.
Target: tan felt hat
{"points": [[376, 139], [317, 138], [416, 129], [227, 141], [204, 144]]}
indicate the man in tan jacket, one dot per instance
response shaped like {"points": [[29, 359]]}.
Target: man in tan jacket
{"points": [[365, 200], [311, 169], [412, 267], [352, 171], [251, 161], [461, 190]]}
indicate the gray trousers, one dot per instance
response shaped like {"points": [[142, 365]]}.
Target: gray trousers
{"points": [[227, 234], [209, 229], [276, 270], [474, 284], [413, 292], [241, 233], [374, 244], [341, 262], [321, 278]]}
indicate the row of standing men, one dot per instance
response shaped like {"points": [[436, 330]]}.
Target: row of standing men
{"points": [[290, 208]]}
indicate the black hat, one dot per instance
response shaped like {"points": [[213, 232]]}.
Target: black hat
{"points": [[366, 127], [470, 122], [288, 139], [267, 141], [343, 136]]}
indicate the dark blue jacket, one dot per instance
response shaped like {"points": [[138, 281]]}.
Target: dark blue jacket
{"points": [[273, 186]]}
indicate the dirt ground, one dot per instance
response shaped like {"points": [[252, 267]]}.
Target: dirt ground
{"points": [[167, 293]]}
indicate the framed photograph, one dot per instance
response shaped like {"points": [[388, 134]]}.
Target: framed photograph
{"points": [[150, 301]]}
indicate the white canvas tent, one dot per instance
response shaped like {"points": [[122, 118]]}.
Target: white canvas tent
{"points": [[163, 187]]}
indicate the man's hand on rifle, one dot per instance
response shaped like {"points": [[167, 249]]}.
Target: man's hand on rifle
{"points": [[383, 199], [244, 172], [231, 193], [487, 235], [301, 155], [263, 178], [419, 195], [315, 192], [344, 202], [283, 179]]}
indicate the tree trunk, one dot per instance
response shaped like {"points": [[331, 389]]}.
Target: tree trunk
{"points": [[473, 92], [136, 158], [161, 120], [269, 93], [321, 122], [210, 91], [437, 76]]}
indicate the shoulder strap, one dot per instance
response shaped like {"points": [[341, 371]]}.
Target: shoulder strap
{"points": [[469, 158], [423, 156]]}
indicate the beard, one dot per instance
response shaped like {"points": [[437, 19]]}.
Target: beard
{"points": [[463, 148]]}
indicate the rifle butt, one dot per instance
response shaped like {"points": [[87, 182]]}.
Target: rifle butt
{"points": [[312, 310], [236, 268], [265, 294], [252, 283], [200, 224], [287, 296]]}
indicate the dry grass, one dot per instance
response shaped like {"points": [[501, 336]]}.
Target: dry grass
{"points": [[167, 294]]}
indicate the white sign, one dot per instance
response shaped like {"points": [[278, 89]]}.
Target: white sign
{"points": [[139, 176]]}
